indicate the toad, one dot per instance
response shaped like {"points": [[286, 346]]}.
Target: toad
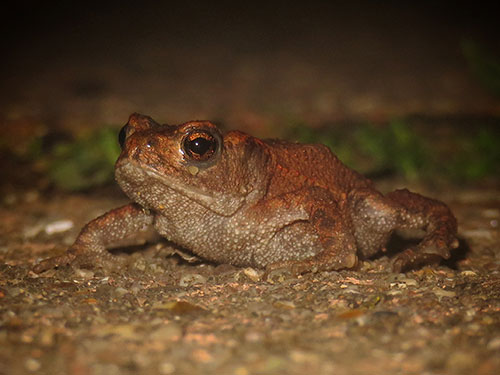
{"points": [[232, 198]]}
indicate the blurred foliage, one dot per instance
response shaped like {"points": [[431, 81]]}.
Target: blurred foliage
{"points": [[84, 162], [397, 148], [479, 157], [483, 65]]}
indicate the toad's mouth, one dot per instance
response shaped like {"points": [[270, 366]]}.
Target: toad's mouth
{"points": [[147, 187]]}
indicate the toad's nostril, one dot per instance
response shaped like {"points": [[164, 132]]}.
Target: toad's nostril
{"points": [[151, 143]]}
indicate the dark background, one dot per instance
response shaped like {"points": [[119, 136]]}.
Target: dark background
{"points": [[250, 66]]}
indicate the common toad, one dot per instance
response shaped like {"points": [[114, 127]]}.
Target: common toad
{"points": [[232, 198]]}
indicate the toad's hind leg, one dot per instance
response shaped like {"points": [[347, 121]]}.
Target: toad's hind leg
{"points": [[328, 219], [435, 218], [376, 216]]}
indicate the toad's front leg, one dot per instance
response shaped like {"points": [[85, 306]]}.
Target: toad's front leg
{"points": [[90, 247]]}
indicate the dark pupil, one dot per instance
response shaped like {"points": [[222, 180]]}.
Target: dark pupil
{"points": [[199, 145]]}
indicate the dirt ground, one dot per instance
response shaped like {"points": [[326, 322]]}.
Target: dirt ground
{"points": [[166, 312], [163, 314]]}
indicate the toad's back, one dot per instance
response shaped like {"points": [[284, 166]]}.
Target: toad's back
{"points": [[311, 165]]}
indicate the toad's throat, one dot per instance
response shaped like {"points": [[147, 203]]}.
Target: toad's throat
{"points": [[131, 175]]}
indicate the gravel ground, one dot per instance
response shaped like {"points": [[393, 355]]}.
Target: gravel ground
{"points": [[168, 313]]}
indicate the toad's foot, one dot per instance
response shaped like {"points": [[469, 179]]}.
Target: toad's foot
{"points": [[57, 261], [430, 251], [81, 259]]}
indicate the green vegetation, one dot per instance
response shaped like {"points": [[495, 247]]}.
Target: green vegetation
{"points": [[400, 149], [84, 162], [396, 147], [479, 157]]}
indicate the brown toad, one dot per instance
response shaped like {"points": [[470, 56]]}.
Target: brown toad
{"points": [[232, 198]]}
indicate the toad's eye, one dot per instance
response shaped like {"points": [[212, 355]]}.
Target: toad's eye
{"points": [[200, 145], [122, 136]]}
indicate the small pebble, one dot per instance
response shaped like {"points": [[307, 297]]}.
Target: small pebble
{"points": [[493, 344], [444, 293], [192, 279], [166, 368], [303, 357], [121, 291], [14, 291], [253, 336], [46, 337], [32, 231], [410, 282], [136, 287], [252, 274], [202, 356], [468, 273], [350, 289], [84, 274], [32, 364], [140, 264], [58, 226], [286, 305], [167, 332]]}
